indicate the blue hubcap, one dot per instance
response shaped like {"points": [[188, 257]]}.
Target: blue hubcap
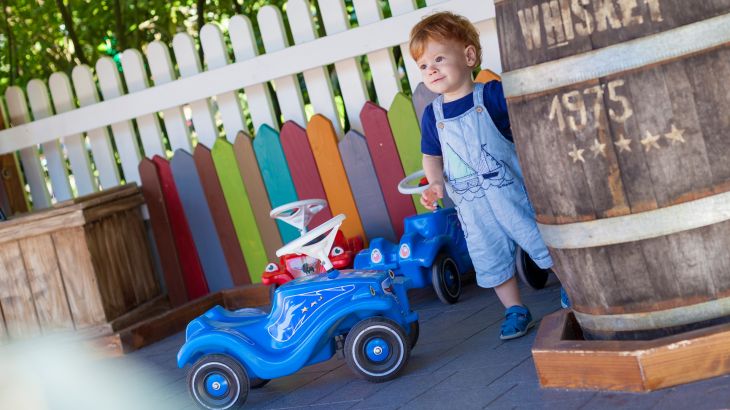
{"points": [[377, 350], [216, 385]]}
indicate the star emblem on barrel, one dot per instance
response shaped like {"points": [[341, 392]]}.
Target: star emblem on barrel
{"points": [[623, 143], [577, 154], [598, 149], [676, 135], [650, 141]]}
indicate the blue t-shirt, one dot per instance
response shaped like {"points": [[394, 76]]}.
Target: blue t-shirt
{"points": [[494, 102]]}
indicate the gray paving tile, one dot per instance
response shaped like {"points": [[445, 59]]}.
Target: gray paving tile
{"points": [[459, 362]]}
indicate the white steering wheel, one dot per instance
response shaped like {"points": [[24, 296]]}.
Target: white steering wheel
{"points": [[319, 249], [406, 187], [298, 214]]}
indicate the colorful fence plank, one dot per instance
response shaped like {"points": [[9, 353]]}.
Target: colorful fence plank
{"points": [[365, 188], [387, 164], [486, 76], [240, 209], [221, 217], [188, 256], [422, 97], [162, 232], [407, 135], [275, 172], [249, 170], [200, 220], [323, 140], [303, 167], [11, 183]]}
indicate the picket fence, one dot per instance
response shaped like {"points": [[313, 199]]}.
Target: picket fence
{"points": [[71, 133]]}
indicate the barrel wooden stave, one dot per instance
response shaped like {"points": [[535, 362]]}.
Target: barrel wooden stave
{"points": [[578, 166], [656, 16]]}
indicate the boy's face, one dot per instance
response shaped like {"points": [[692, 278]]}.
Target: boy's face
{"points": [[446, 67]]}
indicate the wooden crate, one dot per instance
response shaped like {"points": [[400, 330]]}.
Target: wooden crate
{"points": [[563, 359], [77, 266]]}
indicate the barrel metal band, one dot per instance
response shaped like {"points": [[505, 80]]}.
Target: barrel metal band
{"points": [[656, 320], [644, 225], [617, 58]]}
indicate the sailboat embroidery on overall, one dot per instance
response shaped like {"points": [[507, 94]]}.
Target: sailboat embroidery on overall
{"points": [[469, 181]]}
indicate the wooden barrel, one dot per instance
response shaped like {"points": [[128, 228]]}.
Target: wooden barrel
{"points": [[621, 115]]}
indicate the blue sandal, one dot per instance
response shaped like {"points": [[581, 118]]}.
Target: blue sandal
{"points": [[517, 322]]}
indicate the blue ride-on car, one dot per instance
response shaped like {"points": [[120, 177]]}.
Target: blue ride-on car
{"points": [[433, 251], [364, 313]]}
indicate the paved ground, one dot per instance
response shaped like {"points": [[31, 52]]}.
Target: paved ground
{"points": [[459, 363]]}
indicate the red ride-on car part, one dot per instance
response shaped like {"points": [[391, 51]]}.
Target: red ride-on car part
{"points": [[299, 214]]}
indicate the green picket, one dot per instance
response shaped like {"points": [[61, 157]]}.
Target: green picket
{"points": [[240, 209], [407, 135]]}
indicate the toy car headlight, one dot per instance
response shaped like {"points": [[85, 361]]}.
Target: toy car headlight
{"points": [[404, 251], [376, 256], [337, 251], [272, 267]]}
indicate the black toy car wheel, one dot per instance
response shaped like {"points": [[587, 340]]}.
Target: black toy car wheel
{"points": [[529, 272], [218, 382], [377, 349], [415, 331], [446, 279], [257, 383]]}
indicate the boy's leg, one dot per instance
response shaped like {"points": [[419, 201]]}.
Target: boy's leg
{"points": [[508, 293]]}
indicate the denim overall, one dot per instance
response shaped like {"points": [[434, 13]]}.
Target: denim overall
{"points": [[484, 180]]}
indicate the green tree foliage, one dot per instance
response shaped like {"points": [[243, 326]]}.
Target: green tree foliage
{"points": [[36, 40]]}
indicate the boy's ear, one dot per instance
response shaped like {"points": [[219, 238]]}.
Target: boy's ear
{"points": [[470, 52]]}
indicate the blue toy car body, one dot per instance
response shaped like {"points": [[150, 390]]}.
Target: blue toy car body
{"points": [[310, 317], [432, 250]]}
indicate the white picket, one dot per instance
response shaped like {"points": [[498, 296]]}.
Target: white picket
{"points": [[489, 41], [317, 80], [258, 97], [216, 55], [349, 72], [99, 140], [29, 157], [398, 7], [178, 133], [188, 63], [382, 65], [148, 125], [63, 101], [110, 85], [287, 88], [40, 106]]}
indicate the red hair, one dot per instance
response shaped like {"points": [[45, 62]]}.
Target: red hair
{"points": [[444, 26]]}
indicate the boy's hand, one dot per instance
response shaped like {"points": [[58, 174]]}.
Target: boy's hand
{"points": [[430, 196]]}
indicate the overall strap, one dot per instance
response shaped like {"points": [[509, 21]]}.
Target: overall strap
{"points": [[478, 94], [438, 109]]}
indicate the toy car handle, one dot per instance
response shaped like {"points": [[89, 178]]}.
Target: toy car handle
{"points": [[298, 214], [309, 244], [406, 187]]}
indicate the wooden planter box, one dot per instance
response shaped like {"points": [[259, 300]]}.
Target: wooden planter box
{"points": [[77, 266]]}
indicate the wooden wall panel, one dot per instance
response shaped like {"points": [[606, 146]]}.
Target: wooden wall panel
{"points": [[240, 208], [365, 188], [251, 174], [387, 164], [303, 168], [200, 220], [16, 297], [44, 277], [323, 141], [191, 268], [221, 217], [162, 232], [407, 136], [276, 175]]}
